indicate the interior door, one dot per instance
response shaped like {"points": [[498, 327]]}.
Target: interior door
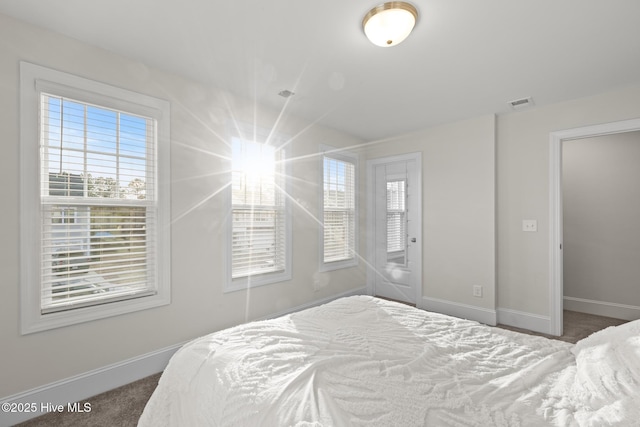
{"points": [[397, 214]]}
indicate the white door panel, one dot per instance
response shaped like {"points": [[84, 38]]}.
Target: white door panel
{"points": [[396, 211]]}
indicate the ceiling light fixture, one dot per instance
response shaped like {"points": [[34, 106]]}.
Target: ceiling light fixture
{"points": [[390, 23]]}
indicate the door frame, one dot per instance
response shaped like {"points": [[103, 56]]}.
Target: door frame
{"points": [[371, 229], [556, 270]]}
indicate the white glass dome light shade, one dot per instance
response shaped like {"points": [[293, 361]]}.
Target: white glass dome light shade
{"points": [[390, 23]]}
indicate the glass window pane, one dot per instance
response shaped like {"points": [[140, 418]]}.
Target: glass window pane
{"points": [[396, 222]]}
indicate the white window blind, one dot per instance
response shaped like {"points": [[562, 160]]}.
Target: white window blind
{"points": [[396, 219], [339, 209], [258, 229], [98, 204]]}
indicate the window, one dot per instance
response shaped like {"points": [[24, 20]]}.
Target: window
{"points": [[260, 223], [396, 221], [95, 208], [339, 213]]}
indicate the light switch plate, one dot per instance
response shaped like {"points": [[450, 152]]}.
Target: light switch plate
{"points": [[529, 225]]}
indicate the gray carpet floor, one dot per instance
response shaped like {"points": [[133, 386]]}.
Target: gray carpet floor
{"points": [[118, 407], [123, 406]]}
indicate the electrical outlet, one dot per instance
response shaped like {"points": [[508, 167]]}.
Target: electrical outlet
{"points": [[477, 291], [529, 225]]}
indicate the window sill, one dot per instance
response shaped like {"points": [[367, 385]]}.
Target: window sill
{"points": [[37, 322]]}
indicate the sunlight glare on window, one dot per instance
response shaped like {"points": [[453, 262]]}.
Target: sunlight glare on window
{"points": [[258, 244], [254, 167]]}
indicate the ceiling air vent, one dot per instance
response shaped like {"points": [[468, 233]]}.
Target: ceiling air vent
{"points": [[519, 104], [286, 93]]}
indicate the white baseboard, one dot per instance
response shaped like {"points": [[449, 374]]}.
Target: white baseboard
{"points": [[358, 291], [464, 311], [524, 320], [601, 308], [84, 386]]}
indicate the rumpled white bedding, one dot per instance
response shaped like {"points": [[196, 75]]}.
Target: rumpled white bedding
{"points": [[362, 361]]}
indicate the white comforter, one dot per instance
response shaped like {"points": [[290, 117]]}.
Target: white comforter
{"points": [[362, 361]]}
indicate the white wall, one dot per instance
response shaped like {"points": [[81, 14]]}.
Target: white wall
{"points": [[523, 190], [601, 208], [458, 231], [199, 122]]}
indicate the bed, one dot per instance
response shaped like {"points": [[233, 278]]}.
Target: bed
{"points": [[363, 361]]}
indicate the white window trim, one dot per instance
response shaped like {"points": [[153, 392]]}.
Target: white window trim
{"points": [[34, 76], [346, 156], [241, 283]]}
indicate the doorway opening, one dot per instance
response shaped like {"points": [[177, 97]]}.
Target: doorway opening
{"points": [[556, 258]]}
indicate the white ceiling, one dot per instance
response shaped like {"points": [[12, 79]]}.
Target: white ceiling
{"points": [[465, 57]]}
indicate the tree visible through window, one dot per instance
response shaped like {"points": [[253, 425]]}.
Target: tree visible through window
{"points": [[96, 212]]}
